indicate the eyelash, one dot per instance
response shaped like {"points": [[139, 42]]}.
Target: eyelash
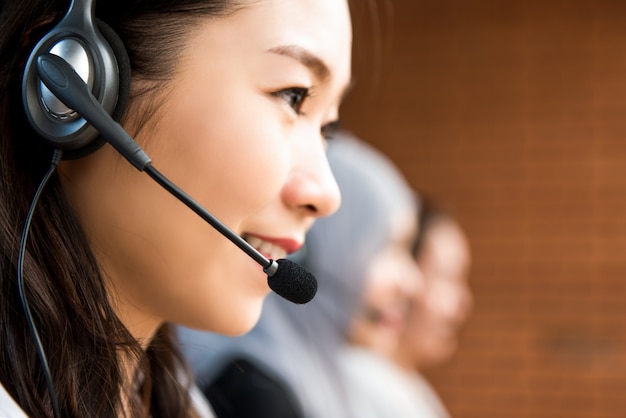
{"points": [[294, 97]]}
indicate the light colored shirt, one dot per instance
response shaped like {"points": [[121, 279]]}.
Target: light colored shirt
{"points": [[380, 389], [200, 404], [8, 407]]}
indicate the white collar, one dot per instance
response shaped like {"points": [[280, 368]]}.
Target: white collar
{"points": [[8, 407]]}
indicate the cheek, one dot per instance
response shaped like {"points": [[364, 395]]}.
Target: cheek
{"points": [[390, 281], [226, 147], [162, 256], [168, 262]]}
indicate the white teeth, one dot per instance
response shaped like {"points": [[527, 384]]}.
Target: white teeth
{"points": [[267, 248]]}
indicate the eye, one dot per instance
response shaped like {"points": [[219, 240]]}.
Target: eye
{"points": [[294, 97], [330, 129]]}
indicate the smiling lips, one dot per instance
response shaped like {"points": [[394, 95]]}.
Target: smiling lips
{"points": [[272, 248]]}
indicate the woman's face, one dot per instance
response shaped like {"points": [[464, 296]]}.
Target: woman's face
{"points": [[432, 331], [393, 280], [239, 128]]}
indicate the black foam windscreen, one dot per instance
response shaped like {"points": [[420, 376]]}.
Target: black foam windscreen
{"points": [[293, 282]]}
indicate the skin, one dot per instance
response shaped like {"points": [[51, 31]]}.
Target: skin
{"points": [[231, 134], [431, 335], [393, 280]]}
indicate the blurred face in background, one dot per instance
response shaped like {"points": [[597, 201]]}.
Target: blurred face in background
{"points": [[393, 280], [431, 335]]}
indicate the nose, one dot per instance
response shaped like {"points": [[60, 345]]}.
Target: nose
{"points": [[311, 187]]}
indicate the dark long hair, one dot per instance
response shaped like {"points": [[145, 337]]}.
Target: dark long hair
{"points": [[83, 338], [430, 213]]}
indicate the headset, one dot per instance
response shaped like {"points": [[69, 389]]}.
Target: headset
{"points": [[98, 55], [76, 82], [75, 87]]}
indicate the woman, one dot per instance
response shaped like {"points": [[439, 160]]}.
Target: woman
{"points": [[431, 335], [288, 365], [231, 100]]}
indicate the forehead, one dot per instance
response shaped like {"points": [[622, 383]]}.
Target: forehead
{"points": [[323, 20], [322, 27]]}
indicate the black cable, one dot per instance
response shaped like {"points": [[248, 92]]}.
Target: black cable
{"points": [[56, 157]]}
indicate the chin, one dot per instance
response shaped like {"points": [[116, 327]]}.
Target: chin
{"points": [[443, 352], [231, 318], [241, 321]]}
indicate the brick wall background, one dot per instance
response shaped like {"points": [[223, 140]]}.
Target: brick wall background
{"points": [[513, 112]]}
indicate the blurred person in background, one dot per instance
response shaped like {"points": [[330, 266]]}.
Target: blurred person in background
{"points": [[431, 335], [291, 363]]}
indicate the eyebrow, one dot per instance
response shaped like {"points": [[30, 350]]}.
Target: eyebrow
{"points": [[308, 59]]}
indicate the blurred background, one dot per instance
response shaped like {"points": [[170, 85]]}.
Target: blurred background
{"points": [[513, 113]]}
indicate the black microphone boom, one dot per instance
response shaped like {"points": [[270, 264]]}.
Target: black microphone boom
{"points": [[285, 277]]}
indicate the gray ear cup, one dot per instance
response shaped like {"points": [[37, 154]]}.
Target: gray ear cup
{"points": [[99, 57]]}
